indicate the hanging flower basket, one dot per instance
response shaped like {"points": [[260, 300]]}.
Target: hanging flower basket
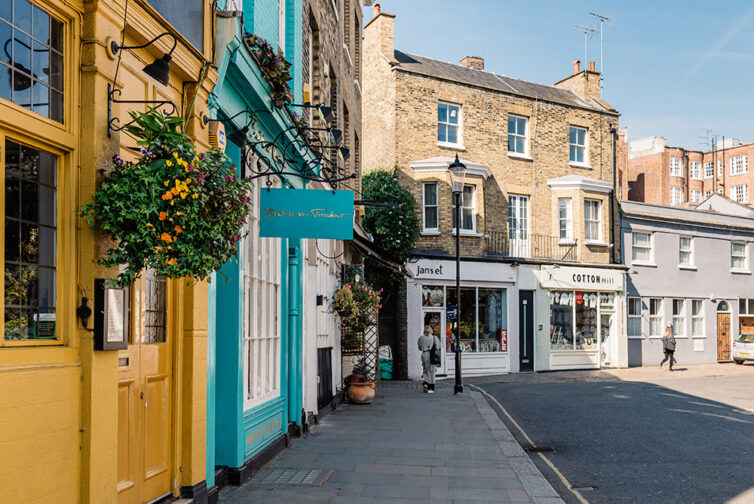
{"points": [[274, 67], [355, 303], [171, 209]]}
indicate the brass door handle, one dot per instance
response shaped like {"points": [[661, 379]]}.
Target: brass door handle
{"points": [[141, 395]]}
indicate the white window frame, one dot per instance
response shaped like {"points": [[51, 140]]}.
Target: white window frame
{"points": [[740, 193], [519, 237], [261, 324], [709, 169], [598, 221], [719, 167], [697, 318], [676, 167], [676, 191], [696, 196], [744, 256], [458, 126], [695, 170], [686, 249], [565, 233], [524, 137], [584, 148], [657, 317], [281, 25], [739, 164], [634, 317], [679, 318], [425, 207], [648, 248], [708, 193], [472, 207]]}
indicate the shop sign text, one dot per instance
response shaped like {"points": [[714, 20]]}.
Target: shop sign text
{"points": [[306, 213]]}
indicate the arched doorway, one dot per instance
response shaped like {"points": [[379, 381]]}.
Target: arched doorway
{"points": [[723, 331]]}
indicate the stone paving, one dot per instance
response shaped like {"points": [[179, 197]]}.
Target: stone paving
{"points": [[407, 447]]}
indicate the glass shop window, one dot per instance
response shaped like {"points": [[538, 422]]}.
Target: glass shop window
{"points": [[561, 320], [31, 58], [30, 243], [483, 320], [586, 321]]}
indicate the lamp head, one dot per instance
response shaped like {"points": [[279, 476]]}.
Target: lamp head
{"points": [[160, 69], [457, 172], [325, 113], [238, 137], [336, 135], [344, 153]]}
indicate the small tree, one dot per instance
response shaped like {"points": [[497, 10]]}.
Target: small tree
{"points": [[395, 228]]}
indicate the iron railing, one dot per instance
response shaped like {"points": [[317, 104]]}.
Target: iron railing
{"points": [[529, 246]]}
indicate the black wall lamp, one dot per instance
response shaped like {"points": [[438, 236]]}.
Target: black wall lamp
{"points": [[160, 68], [325, 113]]}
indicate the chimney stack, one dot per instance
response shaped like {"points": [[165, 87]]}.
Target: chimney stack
{"points": [[576, 66], [591, 66], [474, 62], [375, 10]]}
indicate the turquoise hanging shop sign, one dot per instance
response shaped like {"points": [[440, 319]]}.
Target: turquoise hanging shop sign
{"points": [[306, 213]]}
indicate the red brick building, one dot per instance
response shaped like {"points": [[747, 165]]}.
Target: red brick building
{"points": [[666, 175]]}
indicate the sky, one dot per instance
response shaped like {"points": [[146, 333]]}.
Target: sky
{"points": [[674, 69]]}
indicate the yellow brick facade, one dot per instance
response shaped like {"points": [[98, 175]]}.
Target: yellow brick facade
{"points": [[400, 112]]}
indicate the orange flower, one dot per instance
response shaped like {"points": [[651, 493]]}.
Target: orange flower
{"points": [[167, 196], [166, 237], [163, 216], [158, 249], [178, 229], [195, 195], [175, 191]]}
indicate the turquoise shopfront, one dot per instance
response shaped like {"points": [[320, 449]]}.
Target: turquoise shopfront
{"points": [[255, 301]]}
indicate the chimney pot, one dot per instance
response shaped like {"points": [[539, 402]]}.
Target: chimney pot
{"points": [[576, 66], [591, 66], [474, 62], [376, 10]]}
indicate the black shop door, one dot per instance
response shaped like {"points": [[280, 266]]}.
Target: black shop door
{"points": [[526, 330]]}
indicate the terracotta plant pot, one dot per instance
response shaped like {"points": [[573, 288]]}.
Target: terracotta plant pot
{"points": [[361, 393]]}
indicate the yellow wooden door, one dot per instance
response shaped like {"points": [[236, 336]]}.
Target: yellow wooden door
{"points": [[145, 396]]}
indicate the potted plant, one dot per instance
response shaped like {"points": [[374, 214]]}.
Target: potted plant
{"points": [[169, 209], [359, 388], [355, 303]]}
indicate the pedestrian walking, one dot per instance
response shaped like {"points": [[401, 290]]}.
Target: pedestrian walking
{"points": [[668, 346], [427, 342]]}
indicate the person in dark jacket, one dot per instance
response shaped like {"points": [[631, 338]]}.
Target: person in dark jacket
{"points": [[668, 346]]}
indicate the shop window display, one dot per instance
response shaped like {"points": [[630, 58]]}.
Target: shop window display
{"points": [[574, 318], [483, 320]]}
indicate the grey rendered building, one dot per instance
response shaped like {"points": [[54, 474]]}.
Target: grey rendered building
{"points": [[690, 268]]}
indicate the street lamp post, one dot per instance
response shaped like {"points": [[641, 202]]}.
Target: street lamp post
{"points": [[457, 175]]}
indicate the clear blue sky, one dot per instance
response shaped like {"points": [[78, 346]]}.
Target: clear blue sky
{"points": [[673, 68]]}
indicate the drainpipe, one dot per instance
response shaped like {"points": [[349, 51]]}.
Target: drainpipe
{"points": [[613, 198], [295, 345]]}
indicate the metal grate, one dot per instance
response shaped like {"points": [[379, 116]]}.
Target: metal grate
{"points": [[295, 477]]}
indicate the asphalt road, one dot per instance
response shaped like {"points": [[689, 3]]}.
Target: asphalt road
{"points": [[638, 442]]}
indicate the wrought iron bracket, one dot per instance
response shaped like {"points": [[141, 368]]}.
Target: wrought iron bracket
{"points": [[111, 98]]}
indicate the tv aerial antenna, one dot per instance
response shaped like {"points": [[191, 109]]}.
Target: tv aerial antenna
{"points": [[602, 19], [588, 31]]}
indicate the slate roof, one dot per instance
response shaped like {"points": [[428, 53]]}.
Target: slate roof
{"points": [[457, 73]]}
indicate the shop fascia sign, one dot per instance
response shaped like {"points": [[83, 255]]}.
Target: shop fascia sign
{"points": [[581, 278], [306, 213]]}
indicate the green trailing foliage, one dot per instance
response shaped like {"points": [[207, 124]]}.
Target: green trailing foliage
{"points": [[275, 68], [170, 209], [396, 228]]}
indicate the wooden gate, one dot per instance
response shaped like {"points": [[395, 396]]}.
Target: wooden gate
{"points": [[723, 337]]}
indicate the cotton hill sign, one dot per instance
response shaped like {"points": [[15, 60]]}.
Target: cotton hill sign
{"points": [[306, 213]]}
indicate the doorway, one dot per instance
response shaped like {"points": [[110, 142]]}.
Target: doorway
{"points": [[723, 332], [434, 319], [526, 330], [145, 403]]}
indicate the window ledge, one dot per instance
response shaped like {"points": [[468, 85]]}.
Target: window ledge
{"points": [[517, 155], [647, 264], [690, 267], [655, 337], [471, 234], [736, 271], [678, 176], [699, 337], [431, 232], [636, 337], [680, 337], [446, 145], [596, 243], [566, 242], [580, 165]]}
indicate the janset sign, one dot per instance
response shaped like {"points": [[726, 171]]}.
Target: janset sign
{"points": [[306, 213]]}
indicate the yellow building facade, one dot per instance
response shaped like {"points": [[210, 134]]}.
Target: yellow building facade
{"points": [[81, 425]]}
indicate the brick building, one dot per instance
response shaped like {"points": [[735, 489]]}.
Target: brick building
{"points": [[665, 175], [538, 220]]}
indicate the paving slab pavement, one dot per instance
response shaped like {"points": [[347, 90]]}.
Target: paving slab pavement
{"points": [[409, 447]]}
